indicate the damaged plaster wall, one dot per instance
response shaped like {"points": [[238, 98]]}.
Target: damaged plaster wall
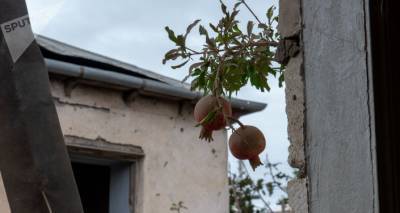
{"points": [[177, 166], [290, 53]]}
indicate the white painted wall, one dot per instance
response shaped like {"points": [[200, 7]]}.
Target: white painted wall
{"points": [[177, 166]]}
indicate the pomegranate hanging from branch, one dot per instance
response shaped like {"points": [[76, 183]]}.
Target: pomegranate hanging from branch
{"points": [[230, 59]]}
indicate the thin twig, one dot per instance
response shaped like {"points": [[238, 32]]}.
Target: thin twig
{"points": [[269, 165], [251, 44], [236, 121], [251, 11], [194, 51], [259, 193]]}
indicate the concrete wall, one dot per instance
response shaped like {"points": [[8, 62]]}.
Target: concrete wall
{"points": [[177, 166], [329, 105], [339, 118]]}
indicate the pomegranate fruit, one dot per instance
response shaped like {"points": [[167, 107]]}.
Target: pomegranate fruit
{"points": [[205, 106], [246, 143]]}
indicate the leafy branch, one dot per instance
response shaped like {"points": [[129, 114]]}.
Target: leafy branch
{"points": [[231, 57], [244, 190]]}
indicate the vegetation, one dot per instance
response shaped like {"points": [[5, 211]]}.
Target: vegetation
{"points": [[251, 196], [231, 58]]}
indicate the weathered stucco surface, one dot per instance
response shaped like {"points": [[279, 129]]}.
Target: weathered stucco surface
{"points": [[297, 192], [295, 111], [338, 119], [290, 53], [177, 165]]}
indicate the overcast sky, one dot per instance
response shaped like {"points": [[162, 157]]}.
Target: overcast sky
{"points": [[133, 31]]}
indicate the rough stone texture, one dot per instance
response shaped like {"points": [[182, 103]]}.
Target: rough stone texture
{"points": [[289, 18], [295, 110], [297, 191], [177, 165], [4, 207], [289, 52], [339, 148], [287, 48]]}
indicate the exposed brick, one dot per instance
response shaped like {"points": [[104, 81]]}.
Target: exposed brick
{"points": [[289, 18], [297, 191], [295, 109]]}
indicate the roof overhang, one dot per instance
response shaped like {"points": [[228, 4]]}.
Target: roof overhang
{"points": [[81, 66]]}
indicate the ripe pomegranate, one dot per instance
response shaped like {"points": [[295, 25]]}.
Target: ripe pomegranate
{"points": [[246, 143], [206, 105]]}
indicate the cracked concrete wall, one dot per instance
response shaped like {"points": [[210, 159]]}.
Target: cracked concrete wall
{"points": [[177, 165], [340, 143]]}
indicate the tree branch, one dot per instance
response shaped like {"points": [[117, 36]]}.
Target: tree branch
{"points": [[251, 11], [252, 44], [269, 165], [258, 192]]}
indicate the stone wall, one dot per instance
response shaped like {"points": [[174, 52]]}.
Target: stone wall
{"points": [[290, 53]]}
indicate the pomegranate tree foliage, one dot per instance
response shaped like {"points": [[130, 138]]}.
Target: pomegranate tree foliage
{"points": [[244, 192], [231, 57]]}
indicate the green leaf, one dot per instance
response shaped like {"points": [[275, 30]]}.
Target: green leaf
{"points": [[233, 79], [180, 40], [261, 48], [270, 188], [199, 82], [236, 28], [171, 34], [223, 7], [180, 65], [281, 80], [270, 12], [171, 55], [263, 26], [250, 26], [197, 72], [190, 27], [210, 117], [234, 14], [203, 30], [237, 5], [191, 68], [214, 28], [195, 65]]}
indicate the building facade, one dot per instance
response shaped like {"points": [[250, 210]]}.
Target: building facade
{"points": [[132, 138]]}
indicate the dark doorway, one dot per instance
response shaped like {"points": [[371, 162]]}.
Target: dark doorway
{"points": [[385, 18], [107, 174], [94, 186]]}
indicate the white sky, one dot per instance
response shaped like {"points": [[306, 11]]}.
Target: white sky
{"points": [[133, 31]]}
